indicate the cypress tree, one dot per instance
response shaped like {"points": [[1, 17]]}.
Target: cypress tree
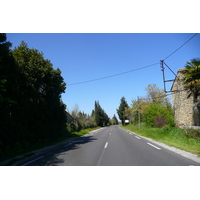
{"points": [[121, 109]]}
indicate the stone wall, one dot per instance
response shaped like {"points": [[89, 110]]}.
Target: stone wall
{"points": [[183, 106]]}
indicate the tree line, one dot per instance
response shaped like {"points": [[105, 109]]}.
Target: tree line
{"points": [[154, 109], [30, 98], [98, 117]]}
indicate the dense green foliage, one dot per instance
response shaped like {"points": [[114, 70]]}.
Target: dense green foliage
{"points": [[161, 113], [82, 120], [121, 110], [30, 98], [154, 109], [191, 83], [114, 120], [192, 78], [101, 118]]}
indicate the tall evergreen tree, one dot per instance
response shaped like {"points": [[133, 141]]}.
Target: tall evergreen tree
{"points": [[114, 119], [121, 110], [41, 110], [101, 118], [9, 77], [30, 98]]}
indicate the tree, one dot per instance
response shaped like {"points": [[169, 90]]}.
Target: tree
{"points": [[191, 82], [156, 95], [121, 110], [140, 106], [129, 113], [82, 120], [156, 112], [30, 98], [101, 118], [9, 78], [154, 106], [41, 112], [114, 120], [8, 72], [75, 113]]}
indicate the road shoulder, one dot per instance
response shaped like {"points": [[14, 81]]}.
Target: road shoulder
{"points": [[186, 154]]}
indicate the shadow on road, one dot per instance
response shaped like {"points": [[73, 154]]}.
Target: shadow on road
{"points": [[52, 158]]}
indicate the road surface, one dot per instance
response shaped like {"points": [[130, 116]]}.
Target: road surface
{"points": [[110, 146]]}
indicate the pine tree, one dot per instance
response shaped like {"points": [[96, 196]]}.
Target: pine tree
{"points": [[101, 118], [121, 110], [114, 119]]}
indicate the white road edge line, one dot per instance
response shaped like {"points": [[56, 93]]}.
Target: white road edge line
{"points": [[137, 137], [153, 146], [106, 145], [68, 144], [32, 161]]}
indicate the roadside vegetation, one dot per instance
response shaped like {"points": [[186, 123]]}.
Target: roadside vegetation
{"points": [[172, 136], [33, 115], [152, 116], [83, 132], [27, 151], [32, 112], [154, 109]]}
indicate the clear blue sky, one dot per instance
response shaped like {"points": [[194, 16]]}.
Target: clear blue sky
{"points": [[83, 57]]}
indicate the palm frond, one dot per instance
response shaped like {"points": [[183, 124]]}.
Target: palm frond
{"points": [[191, 78]]}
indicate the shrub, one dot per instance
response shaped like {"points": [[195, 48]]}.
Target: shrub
{"points": [[71, 127], [194, 133], [160, 121], [154, 110]]}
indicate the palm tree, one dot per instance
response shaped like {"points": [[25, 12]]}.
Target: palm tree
{"points": [[191, 82]]}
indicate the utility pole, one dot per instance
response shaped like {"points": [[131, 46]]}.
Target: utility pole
{"points": [[124, 119], [163, 69], [138, 112], [162, 63]]}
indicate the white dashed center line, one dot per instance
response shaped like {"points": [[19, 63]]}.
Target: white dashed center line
{"points": [[106, 145]]}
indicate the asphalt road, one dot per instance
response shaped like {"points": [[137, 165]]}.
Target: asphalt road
{"points": [[110, 146]]}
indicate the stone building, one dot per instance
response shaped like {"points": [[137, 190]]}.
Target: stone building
{"points": [[183, 106], [70, 119]]}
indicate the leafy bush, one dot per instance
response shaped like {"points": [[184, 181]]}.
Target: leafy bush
{"points": [[71, 127], [154, 110], [194, 133], [160, 121]]}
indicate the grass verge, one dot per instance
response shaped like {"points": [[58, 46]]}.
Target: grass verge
{"points": [[83, 132], [172, 136]]}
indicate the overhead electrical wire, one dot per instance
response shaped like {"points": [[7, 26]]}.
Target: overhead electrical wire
{"points": [[105, 77], [114, 74], [180, 46]]}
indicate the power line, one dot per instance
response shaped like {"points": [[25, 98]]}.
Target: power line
{"points": [[133, 69], [180, 46], [113, 75]]}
